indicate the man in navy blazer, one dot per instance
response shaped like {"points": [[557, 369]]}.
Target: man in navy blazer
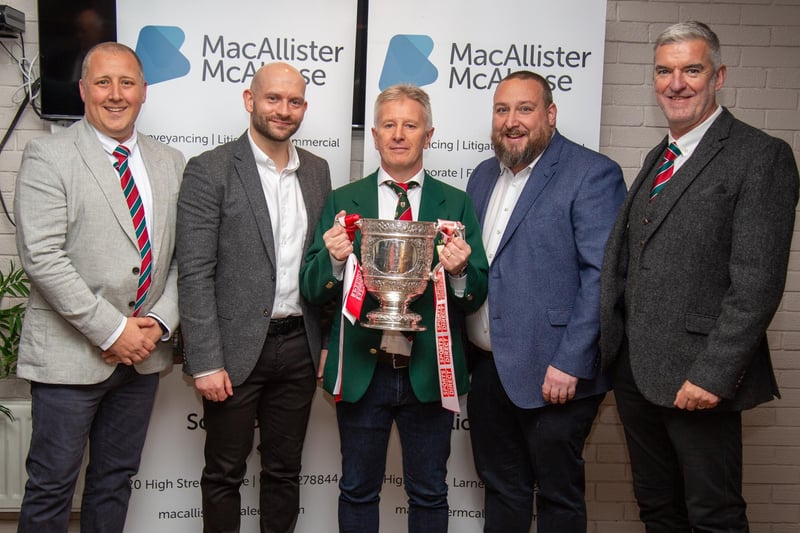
{"points": [[692, 276], [546, 206]]}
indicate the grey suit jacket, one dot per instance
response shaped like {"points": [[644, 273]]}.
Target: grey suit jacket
{"points": [[226, 257], [77, 244], [710, 266]]}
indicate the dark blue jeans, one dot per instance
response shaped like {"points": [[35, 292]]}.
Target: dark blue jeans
{"points": [[516, 449], [364, 429], [113, 417]]}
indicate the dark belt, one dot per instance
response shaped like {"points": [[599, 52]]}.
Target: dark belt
{"points": [[480, 351], [282, 326], [395, 360]]}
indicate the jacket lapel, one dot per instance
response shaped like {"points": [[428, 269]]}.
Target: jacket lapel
{"points": [[156, 168], [709, 146], [542, 173], [103, 172], [245, 165]]}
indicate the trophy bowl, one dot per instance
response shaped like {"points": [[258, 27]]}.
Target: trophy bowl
{"points": [[396, 257]]}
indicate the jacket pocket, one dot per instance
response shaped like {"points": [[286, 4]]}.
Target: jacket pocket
{"points": [[559, 317], [703, 324]]}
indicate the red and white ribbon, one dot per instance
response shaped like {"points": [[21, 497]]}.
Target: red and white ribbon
{"points": [[353, 294]]}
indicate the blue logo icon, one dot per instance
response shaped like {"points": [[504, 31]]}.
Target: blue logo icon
{"points": [[407, 62], [159, 48]]}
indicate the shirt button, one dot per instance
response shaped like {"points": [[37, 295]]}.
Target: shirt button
{"points": [[131, 304], [135, 270]]}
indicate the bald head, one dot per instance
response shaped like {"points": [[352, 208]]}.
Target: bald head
{"points": [[276, 101], [279, 73]]}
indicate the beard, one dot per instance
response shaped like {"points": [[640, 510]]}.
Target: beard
{"points": [[514, 157], [263, 126]]}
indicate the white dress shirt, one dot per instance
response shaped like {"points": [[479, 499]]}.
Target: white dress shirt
{"points": [[287, 214], [505, 195]]}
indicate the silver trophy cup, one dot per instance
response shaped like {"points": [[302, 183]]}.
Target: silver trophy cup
{"points": [[396, 257]]}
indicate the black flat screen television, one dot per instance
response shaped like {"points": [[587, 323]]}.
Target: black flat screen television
{"points": [[67, 30]]}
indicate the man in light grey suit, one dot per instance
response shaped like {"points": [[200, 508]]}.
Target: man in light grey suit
{"points": [[546, 206], [246, 215], [103, 295], [693, 273]]}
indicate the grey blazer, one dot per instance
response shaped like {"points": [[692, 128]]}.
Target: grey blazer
{"points": [[226, 257], [710, 266], [77, 244]]}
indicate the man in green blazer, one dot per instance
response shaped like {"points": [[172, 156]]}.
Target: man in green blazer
{"points": [[388, 377]]}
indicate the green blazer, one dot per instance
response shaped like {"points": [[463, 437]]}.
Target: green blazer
{"points": [[318, 286]]}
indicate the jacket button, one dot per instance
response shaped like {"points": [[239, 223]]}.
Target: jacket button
{"points": [[373, 351], [329, 285], [645, 221], [267, 313], [641, 244], [469, 297]]}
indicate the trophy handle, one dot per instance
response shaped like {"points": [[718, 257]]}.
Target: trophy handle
{"points": [[450, 229]]}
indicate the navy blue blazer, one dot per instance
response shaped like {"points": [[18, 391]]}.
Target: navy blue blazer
{"points": [[544, 281]]}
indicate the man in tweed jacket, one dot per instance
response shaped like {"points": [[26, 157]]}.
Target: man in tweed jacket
{"points": [[691, 278]]}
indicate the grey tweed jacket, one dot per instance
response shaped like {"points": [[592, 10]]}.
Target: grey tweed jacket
{"points": [[692, 294], [226, 257]]}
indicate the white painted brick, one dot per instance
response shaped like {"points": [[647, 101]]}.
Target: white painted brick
{"points": [[784, 56], [628, 32], [771, 16], [648, 11], [746, 77], [785, 36], [784, 78], [713, 15], [767, 98], [783, 120]]}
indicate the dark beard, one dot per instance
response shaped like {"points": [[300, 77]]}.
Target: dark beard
{"points": [[262, 127], [516, 158]]}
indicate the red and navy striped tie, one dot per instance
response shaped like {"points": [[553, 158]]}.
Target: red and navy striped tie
{"points": [[136, 209], [665, 170]]}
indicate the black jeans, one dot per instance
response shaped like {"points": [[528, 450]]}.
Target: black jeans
{"points": [[278, 394]]}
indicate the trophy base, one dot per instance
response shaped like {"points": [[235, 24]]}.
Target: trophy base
{"points": [[393, 321]]}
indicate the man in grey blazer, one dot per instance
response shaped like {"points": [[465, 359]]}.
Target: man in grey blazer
{"points": [[246, 214], [693, 273], [103, 295], [546, 206]]}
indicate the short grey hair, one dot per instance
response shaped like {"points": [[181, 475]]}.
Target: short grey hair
{"points": [[690, 31], [405, 90]]}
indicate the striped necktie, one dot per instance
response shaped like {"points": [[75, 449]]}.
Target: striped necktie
{"points": [[136, 209], [403, 209], [665, 170]]}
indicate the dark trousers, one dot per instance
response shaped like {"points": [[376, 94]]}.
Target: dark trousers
{"points": [[112, 416], [364, 429], [516, 449], [686, 466], [278, 394]]}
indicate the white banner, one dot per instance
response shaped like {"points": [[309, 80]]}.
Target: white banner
{"points": [[459, 50], [199, 56], [198, 61], [166, 492]]}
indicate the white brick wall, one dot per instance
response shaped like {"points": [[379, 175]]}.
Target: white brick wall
{"points": [[761, 46]]}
